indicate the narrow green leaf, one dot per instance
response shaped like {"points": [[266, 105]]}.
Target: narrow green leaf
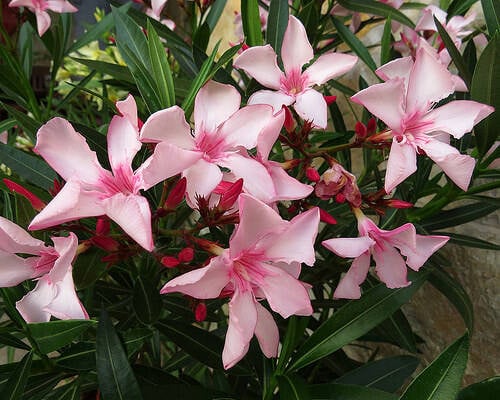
{"points": [[309, 15], [27, 166], [485, 89], [116, 71], [215, 12], [354, 43], [277, 22], [7, 124], [386, 43], [377, 8], [25, 45], [458, 216], [455, 55], [469, 241], [161, 68], [441, 379], [292, 387], [114, 374], [88, 268], [53, 335], [250, 19], [79, 357], [76, 90], [29, 124], [14, 388], [454, 292], [294, 333], [484, 390], [337, 391], [459, 7], [10, 340], [131, 34], [398, 331], [387, 374], [353, 320], [146, 301], [39, 385], [491, 11]]}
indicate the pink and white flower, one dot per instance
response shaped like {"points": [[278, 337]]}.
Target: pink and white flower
{"points": [[91, 190], [383, 245], [222, 134], [406, 104], [54, 293], [294, 86], [40, 7], [262, 262]]}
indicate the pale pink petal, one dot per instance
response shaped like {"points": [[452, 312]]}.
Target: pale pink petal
{"points": [[429, 82], [266, 332], [457, 117], [278, 286], [390, 266], [202, 283], [169, 126], [14, 239], [123, 143], [214, 103], [60, 6], [269, 135], [458, 167], [459, 84], [42, 21], [349, 285], [398, 68], [401, 164], [274, 99], [260, 63], [296, 242], [32, 305], [21, 3], [311, 106], [403, 236], [256, 178], [286, 186], [133, 215], [67, 152], [66, 248], [14, 269], [426, 21], [293, 268], [329, 66], [71, 203], [128, 109], [242, 322], [245, 125], [349, 247], [256, 221], [385, 101], [202, 178], [66, 304], [425, 247], [167, 160], [157, 6], [296, 49]]}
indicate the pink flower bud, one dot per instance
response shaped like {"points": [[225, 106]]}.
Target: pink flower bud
{"points": [[372, 126], [35, 202], [200, 312], [396, 203], [229, 197], [169, 261], [176, 194], [312, 174], [186, 255]]}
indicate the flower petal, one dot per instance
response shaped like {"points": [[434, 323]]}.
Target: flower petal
{"points": [[260, 63], [14, 239], [14, 269], [425, 247], [329, 66], [66, 248], [61, 6], [286, 186], [311, 106], [398, 68], [202, 178], [66, 304], [67, 152], [123, 143], [42, 22], [32, 305], [242, 322], [128, 109], [390, 266], [157, 6], [349, 247], [267, 138], [349, 285], [274, 99], [169, 126], [401, 164], [296, 49], [266, 332]]}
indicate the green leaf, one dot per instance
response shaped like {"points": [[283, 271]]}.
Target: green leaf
{"points": [[14, 388], [485, 89], [114, 374], [484, 390], [146, 301], [250, 19], [398, 331], [455, 55], [25, 44], [294, 334], [88, 268], [53, 335], [277, 22], [79, 357], [309, 15], [459, 7], [388, 374], [354, 43], [469, 241], [116, 71], [10, 340], [386, 43], [329, 391], [215, 12], [353, 320], [491, 11], [161, 69], [292, 387], [29, 124], [458, 216], [454, 292], [441, 379], [27, 166], [376, 8], [7, 124]]}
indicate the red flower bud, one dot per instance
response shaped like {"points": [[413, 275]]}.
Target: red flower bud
{"points": [[371, 126], [200, 312], [289, 123], [102, 226], [186, 255], [330, 99], [105, 243], [170, 261], [326, 217], [340, 198], [35, 202], [396, 203], [360, 130], [229, 197], [312, 174], [176, 194]]}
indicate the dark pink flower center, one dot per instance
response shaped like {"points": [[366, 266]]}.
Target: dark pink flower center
{"points": [[294, 82], [45, 262], [212, 145], [40, 5], [122, 180]]}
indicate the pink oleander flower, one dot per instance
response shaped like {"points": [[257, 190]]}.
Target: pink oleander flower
{"points": [[40, 7], [91, 190], [337, 181], [294, 85], [262, 262], [222, 134], [4, 136], [383, 245], [406, 104], [54, 293]]}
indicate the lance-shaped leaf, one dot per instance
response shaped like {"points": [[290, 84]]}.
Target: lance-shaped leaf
{"points": [[251, 22], [53, 335], [146, 301], [484, 390], [442, 378], [338, 391], [491, 10], [277, 21], [377, 8], [292, 387], [14, 388]]}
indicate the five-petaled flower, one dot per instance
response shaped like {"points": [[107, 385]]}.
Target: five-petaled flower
{"points": [[262, 261], [294, 85]]}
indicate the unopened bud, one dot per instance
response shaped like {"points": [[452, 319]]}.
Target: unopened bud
{"points": [[330, 99], [371, 126], [340, 198], [105, 243], [169, 261], [396, 203], [289, 123], [102, 226], [200, 312], [176, 194], [186, 255], [361, 130], [312, 174], [229, 197], [35, 202], [326, 217]]}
